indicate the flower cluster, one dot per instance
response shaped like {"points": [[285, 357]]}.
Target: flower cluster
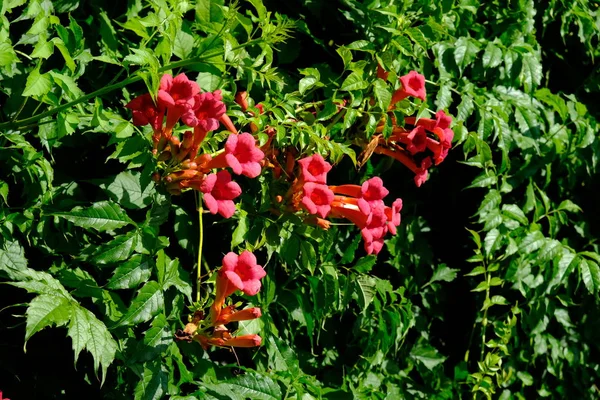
{"points": [[361, 204], [419, 144], [180, 99], [239, 272]]}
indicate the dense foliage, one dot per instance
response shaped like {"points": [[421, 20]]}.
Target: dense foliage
{"points": [[113, 275]]}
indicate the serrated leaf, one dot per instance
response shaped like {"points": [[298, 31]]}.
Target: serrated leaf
{"points": [[590, 274], [354, 81], [427, 355], [465, 51], [46, 310], [531, 74], [131, 189], [183, 44], [37, 84], [490, 202], [132, 273], [12, 259], [551, 248], [170, 274], [101, 216], [149, 302], [443, 273], [382, 93], [492, 56], [513, 211], [118, 249], [87, 332], [254, 386], [531, 242], [366, 289], [492, 241], [444, 97], [153, 383]]}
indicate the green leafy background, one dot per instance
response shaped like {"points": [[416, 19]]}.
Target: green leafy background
{"points": [[489, 290]]}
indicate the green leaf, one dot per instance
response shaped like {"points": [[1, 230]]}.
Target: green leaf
{"points": [[116, 250], [382, 93], [513, 211], [132, 273], [170, 274], [366, 289], [490, 202], [443, 273], [531, 242], [37, 84], [46, 310], [465, 51], [354, 81], [148, 303], [12, 260], [183, 45], [531, 74], [590, 274], [427, 355], [4, 191], [153, 383], [101, 216], [87, 332], [131, 189], [7, 55], [492, 56], [241, 229], [444, 97], [254, 386]]}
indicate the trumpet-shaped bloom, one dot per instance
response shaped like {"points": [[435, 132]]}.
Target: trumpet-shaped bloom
{"points": [[207, 110], [413, 84], [416, 141], [146, 112], [241, 272], [242, 155], [372, 194], [177, 92], [317, 198], [219, 191], [314, 169], [374, 232]]}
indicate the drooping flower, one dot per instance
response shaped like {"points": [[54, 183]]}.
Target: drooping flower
{"points": [[374, 232], [413, 84], [146, 112], [421, 173], [382, 73], [314, 169], [317, 198], [219, 191]]}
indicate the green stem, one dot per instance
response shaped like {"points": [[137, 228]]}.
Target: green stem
{"points": [[200, 241]]}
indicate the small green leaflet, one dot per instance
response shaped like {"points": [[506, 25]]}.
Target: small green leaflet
{"points": [[131, 189]]}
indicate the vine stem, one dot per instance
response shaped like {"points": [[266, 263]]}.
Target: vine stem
{"points": [[200, 242], [127, 81]]}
